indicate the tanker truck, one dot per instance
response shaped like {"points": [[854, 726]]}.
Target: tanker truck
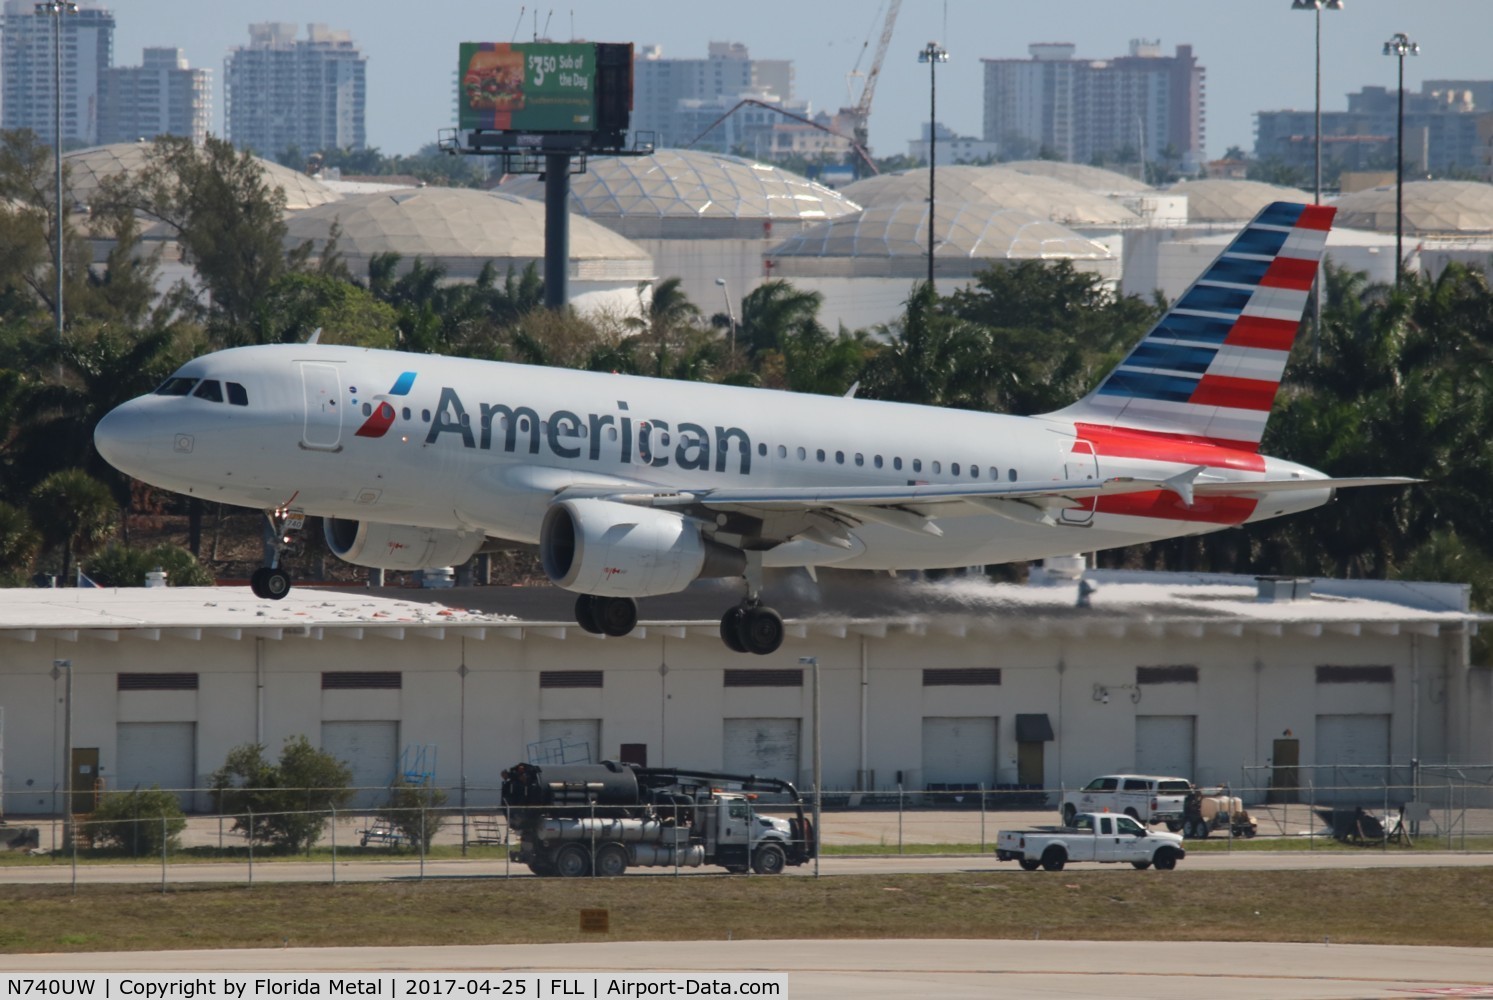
{"points": [[574, 820]]}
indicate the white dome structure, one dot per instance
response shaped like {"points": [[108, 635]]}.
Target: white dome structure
{"points": [[706, 218], [996, 187], [88, 167], [463, 229], [1215, 200], [1096, 179], [1432, 208]]}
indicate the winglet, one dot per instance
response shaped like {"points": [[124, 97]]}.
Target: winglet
{"points": [[850, 393], [315, 337]]}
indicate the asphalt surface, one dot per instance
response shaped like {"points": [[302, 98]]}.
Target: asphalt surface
{"points": [[942, 969]]}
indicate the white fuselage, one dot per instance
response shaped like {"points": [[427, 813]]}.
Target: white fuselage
{"points": [[440, 442]]}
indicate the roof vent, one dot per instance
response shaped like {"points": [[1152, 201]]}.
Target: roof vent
{"points": [[1273, 589]]}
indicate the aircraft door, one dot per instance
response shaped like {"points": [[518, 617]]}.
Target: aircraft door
{"points": [[1080, 462], [323, 389]]}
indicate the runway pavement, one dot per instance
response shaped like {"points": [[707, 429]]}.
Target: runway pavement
{"points": [[941, 969]]}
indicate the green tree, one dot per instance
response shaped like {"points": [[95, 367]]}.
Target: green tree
{"points": [[933, 358], [667, 322], [140, 822], [73, 510], [18, 544], [123, 566], [286, 804], [225, 214], [296, 304], [414, 810]]}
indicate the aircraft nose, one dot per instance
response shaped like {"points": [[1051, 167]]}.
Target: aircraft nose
{"points": [[124, 436]]}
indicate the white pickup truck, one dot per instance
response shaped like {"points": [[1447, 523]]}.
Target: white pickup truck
{"points": [[1103, 837], [1143, 797]]}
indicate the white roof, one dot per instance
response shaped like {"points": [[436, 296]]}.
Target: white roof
{"points": [[1431, 208], [684, 193], [1220, 200], [1125, 603], [995, 188], [1082, 175], [87, 167], [461, 228]]}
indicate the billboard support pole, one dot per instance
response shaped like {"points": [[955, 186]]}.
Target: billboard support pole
{"points": [[556, 229]]}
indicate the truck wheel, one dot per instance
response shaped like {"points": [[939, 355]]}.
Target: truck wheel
{"points": [[1166, 859], [1200, 830], [1175, 827], [1133, 814], [572, 861], [543, 869], [1053, 859], [1069, 814], [1029, 864], [611, 860], [769, 859], [1142, 865]]}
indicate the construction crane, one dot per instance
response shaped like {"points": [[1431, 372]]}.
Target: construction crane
{"points": [[860, 114]]}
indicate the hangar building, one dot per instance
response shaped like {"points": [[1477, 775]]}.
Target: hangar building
{"points": [[924, 684]]}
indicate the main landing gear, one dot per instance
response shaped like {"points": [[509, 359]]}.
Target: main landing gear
{"points": [[606, 615], [272, 582], [749, 627]]}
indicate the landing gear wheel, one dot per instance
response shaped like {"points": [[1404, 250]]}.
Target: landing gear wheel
{"points": [[616, 615], [731, 629], [276, 584], [585, 614], [573, 861], [761, 631], [769, 859], [256, 581]]}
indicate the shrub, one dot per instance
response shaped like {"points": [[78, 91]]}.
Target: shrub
{"points": [[131, 821], [411, 810], [285, 804]]}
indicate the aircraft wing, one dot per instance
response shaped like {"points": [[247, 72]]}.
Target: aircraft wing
{"points": [[915, 507]]}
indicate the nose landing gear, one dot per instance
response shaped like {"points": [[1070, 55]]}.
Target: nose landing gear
{"points": [[271, 582]]}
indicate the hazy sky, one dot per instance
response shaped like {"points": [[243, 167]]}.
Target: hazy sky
{"points": [[1258, 53]]}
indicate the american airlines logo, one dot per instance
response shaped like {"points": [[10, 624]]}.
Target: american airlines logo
{"points": [[382, 417]]}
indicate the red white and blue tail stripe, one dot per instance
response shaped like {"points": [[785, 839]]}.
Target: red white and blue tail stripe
{"points": [[1210, 368]]}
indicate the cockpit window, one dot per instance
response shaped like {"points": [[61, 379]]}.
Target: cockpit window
{"points": [[236, 394], [211, 390], [176, 385]]}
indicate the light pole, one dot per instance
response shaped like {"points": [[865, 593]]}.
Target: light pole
{"points": [[1316, 6], [57, 8], [730, 312], [1400, 46], [58, 666], [812, 662], [932, 55]]}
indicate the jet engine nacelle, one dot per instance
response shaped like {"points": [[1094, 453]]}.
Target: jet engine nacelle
{"points": [[399, 546], [618, 550]]}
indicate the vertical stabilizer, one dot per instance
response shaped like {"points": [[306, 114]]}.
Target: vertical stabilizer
{"points": [[1209, 369]]}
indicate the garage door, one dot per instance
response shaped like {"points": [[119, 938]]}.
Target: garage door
{"points": [[764, 747], [567, 741], [1165, 745], [1353, 757], [371, 750], [959, 750], [156, 753]]}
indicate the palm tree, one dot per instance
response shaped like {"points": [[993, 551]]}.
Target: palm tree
{"points": [[75, 511], [667, 318]]}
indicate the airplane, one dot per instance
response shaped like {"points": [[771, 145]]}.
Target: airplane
{"points": [[632, 487]]}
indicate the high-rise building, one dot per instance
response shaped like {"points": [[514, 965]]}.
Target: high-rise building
{"points": [[668, 93], [162, 97], [1442, 130], [280, 91], [1081, 110], [29, 52]]}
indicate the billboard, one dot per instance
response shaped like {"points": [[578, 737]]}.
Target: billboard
{"points": [[528, 87]]}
